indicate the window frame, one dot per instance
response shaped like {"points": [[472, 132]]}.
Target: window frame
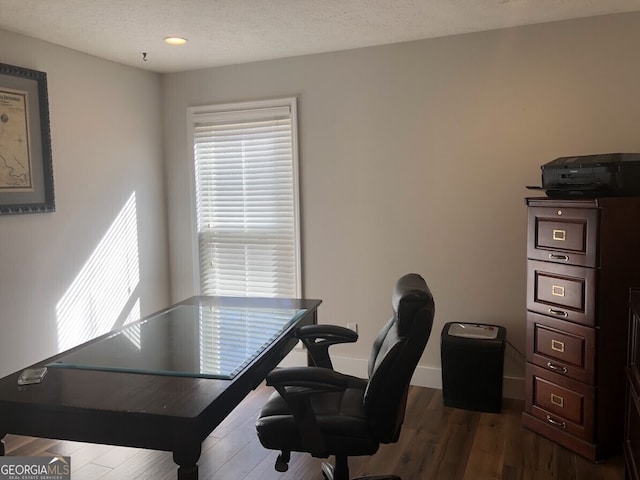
{"points": [[198, 114]]}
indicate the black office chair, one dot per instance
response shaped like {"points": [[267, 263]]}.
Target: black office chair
{"points": [[322, 412]]}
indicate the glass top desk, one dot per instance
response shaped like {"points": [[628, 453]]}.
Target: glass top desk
{"points": [[164, 382]]}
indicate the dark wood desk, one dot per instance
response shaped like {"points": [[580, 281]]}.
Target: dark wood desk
{"points": [[116, 390]]}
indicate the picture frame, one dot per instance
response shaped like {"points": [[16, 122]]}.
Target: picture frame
{"points": [[26, 167]]}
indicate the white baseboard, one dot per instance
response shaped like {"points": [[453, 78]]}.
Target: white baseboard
{"points": [[512, 387]]}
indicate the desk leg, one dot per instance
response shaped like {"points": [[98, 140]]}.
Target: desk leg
{"points": [[188, 473], [187, 460]]}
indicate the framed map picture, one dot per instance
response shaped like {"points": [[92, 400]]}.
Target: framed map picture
{"points": [[26, 169]]}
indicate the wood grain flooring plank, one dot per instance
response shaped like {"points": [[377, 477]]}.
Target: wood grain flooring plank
{"points": [[302, 466], [14, 442], [89, 471], [115, 456], [486, 459], [33, 448], [83, 455], [144, 465]]}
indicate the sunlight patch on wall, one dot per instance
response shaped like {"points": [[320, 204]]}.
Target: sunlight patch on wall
{"points": [[102, 296], [133, 333]]}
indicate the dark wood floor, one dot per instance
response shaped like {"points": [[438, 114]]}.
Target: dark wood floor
{"points": [[437, 443]]}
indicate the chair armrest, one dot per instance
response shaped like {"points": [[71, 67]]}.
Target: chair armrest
{"points": [[335, 333], [308, 380], [318, 338]]}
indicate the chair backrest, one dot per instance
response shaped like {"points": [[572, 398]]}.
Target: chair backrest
{"points": [[395, 355]]}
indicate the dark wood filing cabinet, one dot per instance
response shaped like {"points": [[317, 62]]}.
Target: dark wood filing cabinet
{"points": [[632, 414], [582, 258]]}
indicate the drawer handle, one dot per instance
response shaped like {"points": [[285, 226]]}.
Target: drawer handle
{"points": [[560, 235], [556, 368], [554, 256], [558, 313], [556, 423]]}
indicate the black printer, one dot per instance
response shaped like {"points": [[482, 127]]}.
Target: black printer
{"points": [[588, 176]]}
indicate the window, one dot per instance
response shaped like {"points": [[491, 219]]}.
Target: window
{"points": [[246, 198]]}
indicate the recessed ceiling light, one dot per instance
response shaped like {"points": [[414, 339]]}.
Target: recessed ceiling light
{"points": [[175, 40]]}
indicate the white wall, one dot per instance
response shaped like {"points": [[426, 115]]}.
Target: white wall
{"points": [[415, 157], [106, 142]]}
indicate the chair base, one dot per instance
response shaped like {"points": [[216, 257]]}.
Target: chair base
{"points": [[329, 472]]}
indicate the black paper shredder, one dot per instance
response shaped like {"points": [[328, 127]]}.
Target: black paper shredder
{"points": [[472, 366]]}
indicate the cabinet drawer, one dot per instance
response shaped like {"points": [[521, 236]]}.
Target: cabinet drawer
{"points": [[633, 347], [561, 291], [563, 235], [632, 433], [560, 402], [562, 347]]}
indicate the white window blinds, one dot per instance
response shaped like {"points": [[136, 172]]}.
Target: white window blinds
{"points": [[246, 197]]}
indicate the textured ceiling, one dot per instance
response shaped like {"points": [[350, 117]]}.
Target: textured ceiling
{"points": [[224, 32]]}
